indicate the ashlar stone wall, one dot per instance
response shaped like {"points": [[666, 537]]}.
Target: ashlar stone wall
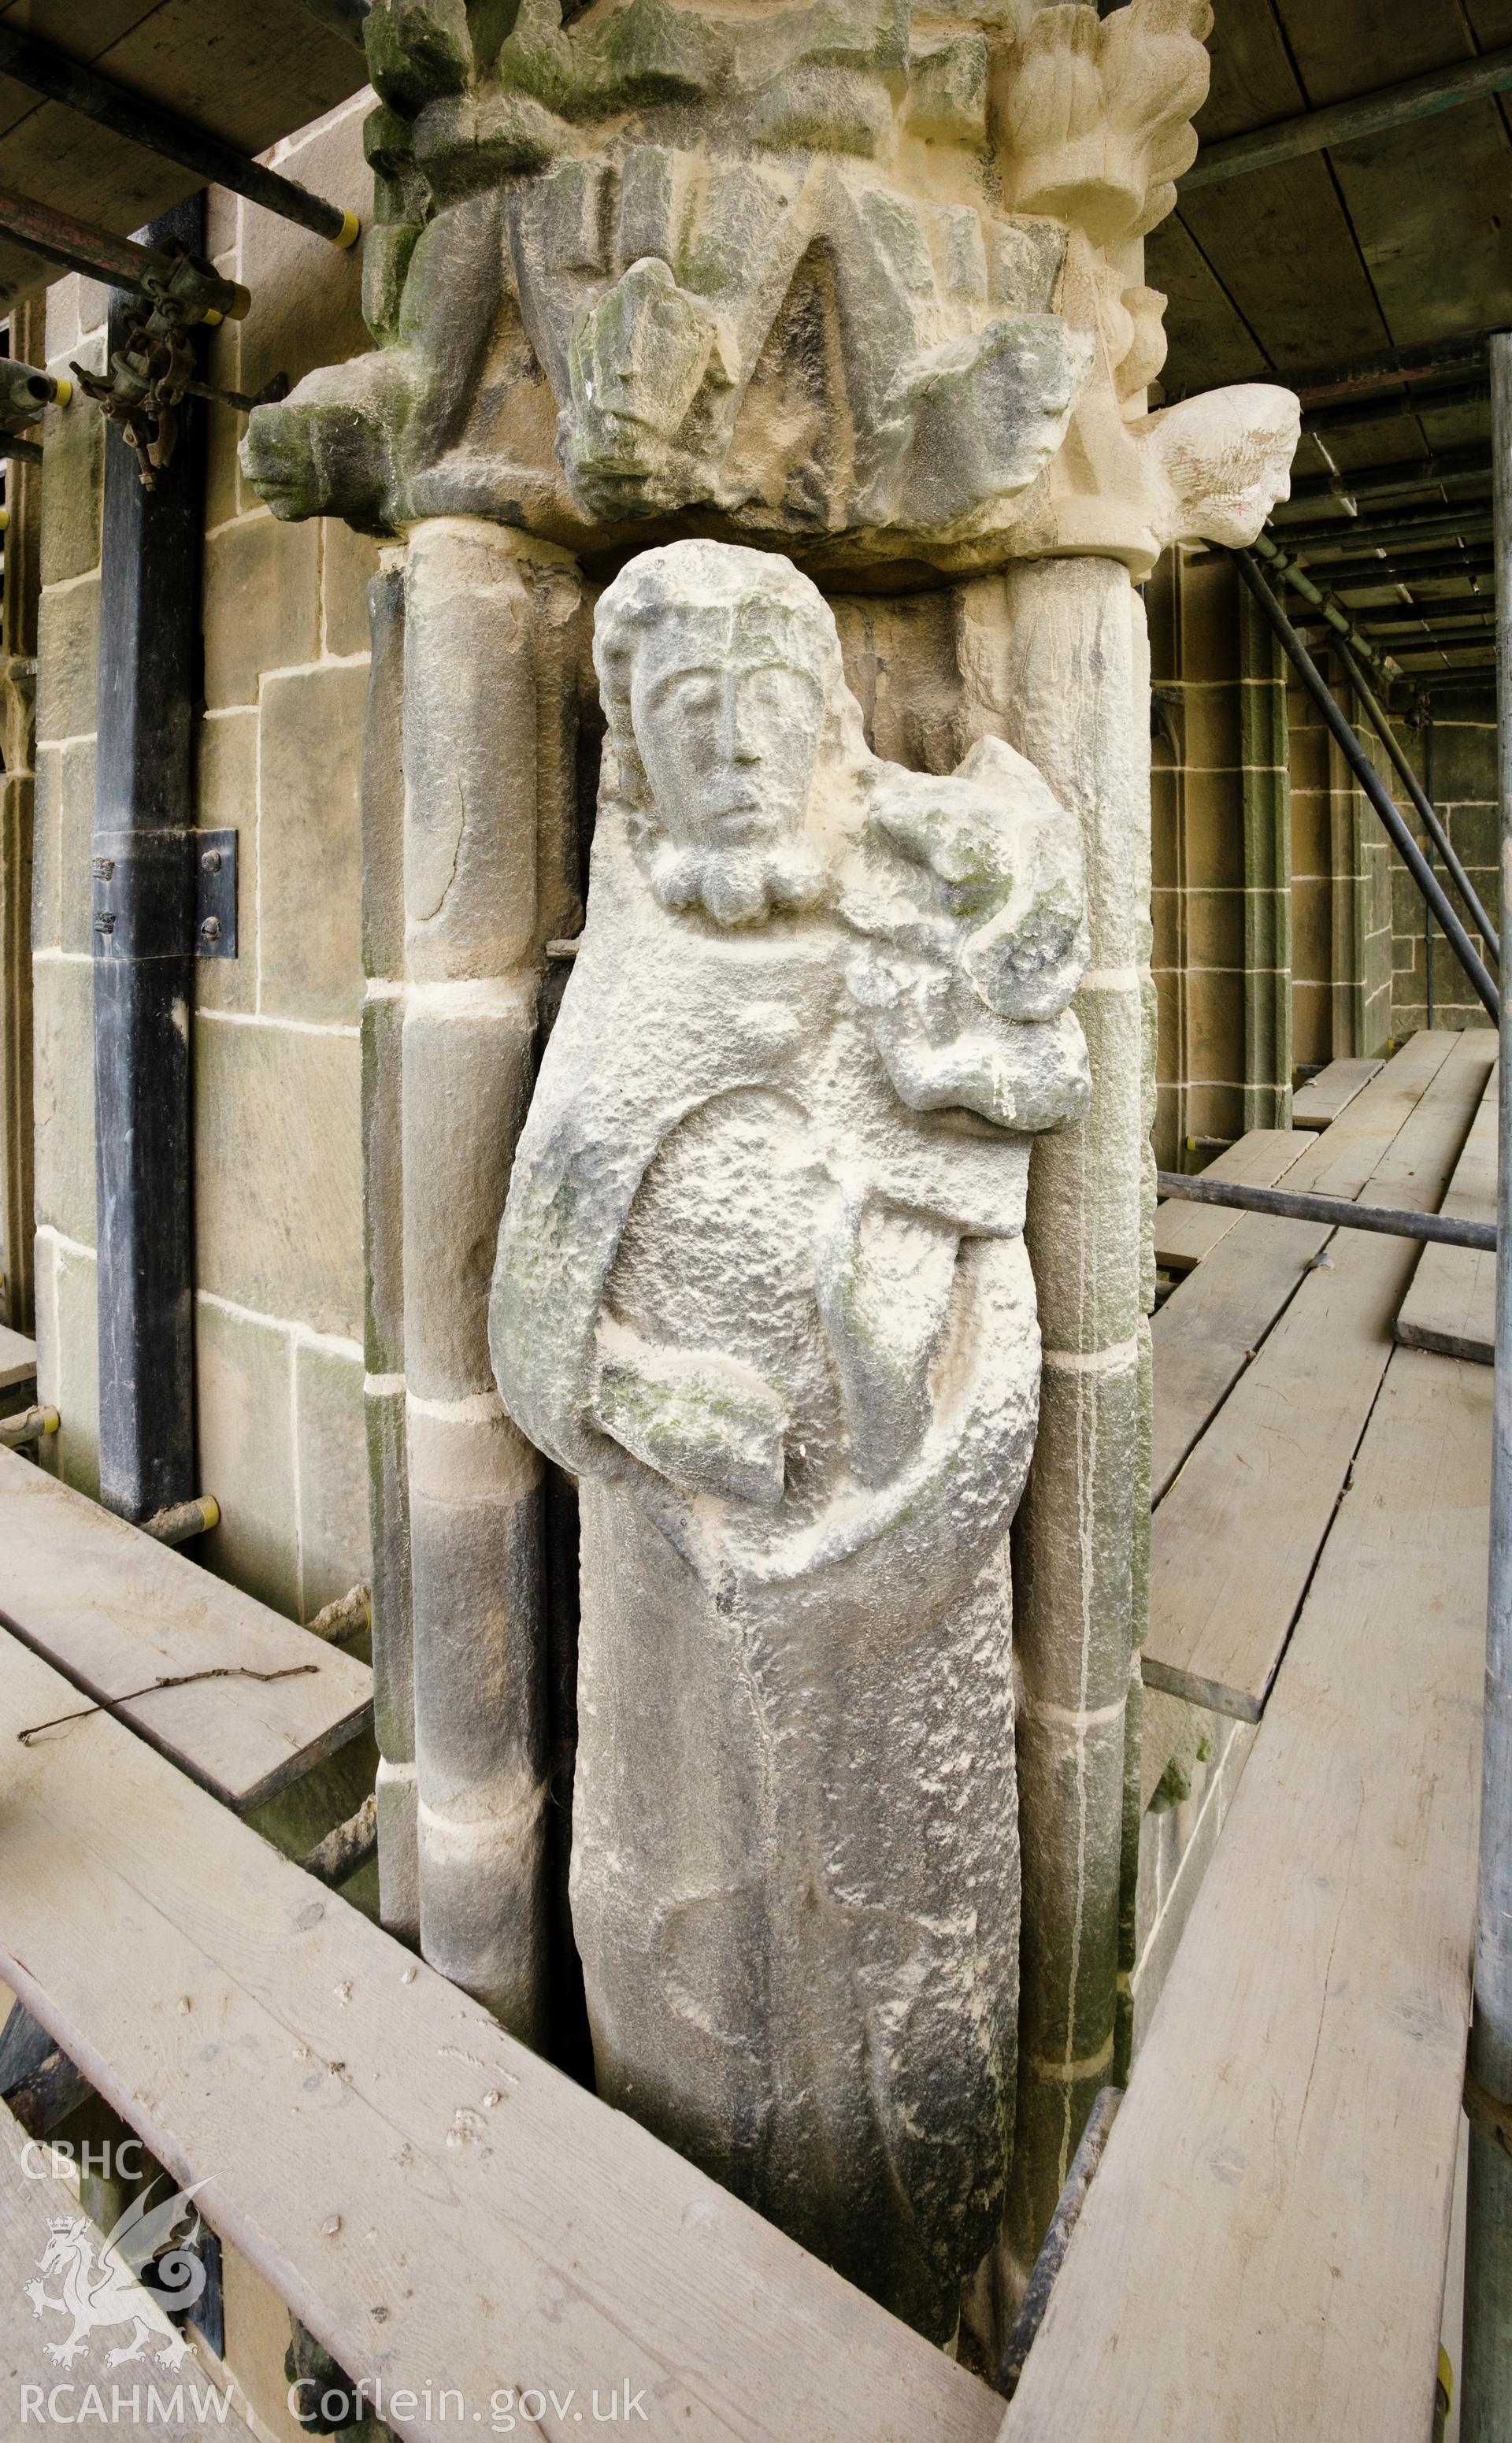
{"points": [[277, 1143], [1221, 901], [1454, 755]]}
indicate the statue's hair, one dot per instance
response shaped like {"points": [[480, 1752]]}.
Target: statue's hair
{"points": [[701, 576]]}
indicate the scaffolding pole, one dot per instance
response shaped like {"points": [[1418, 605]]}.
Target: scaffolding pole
{"points": [[1394, 822], [1485, 2413]]}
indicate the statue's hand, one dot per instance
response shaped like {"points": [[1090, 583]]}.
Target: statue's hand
{"points": [[700, 1419]]}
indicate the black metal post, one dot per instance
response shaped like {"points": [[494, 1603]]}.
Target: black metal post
{"points": [[143, 936], [1339, 1212], [1392, 823]]}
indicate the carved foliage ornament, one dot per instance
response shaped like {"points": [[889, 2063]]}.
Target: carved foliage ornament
{"points": [[762, 1286], [853, 278]]}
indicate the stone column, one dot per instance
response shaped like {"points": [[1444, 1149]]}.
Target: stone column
{"points": [[383, 1251], [1055, 659], [487, 696]]}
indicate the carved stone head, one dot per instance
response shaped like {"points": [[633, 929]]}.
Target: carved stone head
{"points": [[726, 699]]}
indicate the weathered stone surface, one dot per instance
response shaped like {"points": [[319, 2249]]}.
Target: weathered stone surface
{"points": [[334, 1546], [349, 562], [68, 640], [310, 845], [75, 453], [656, 263], [244, 1384], [278, 1171], [262, 606], [762, 1286], [68, 1360], [63, 1095]]}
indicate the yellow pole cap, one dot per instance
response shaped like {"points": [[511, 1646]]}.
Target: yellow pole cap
{"points": [[5, 520], [211, 318], [62, 391], [50, 1420], [209, 1508], [351, 231]]}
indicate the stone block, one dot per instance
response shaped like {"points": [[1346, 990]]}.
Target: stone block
{"points": [[47, 851], [69, 1360], [245, 1412], [73, 470], [224, 427], [1210, 727], [331, 1450], [384, 784], [348, 564], [1463, 759], [1472, 831], [1215, 1026], [278, 1171], [1268, 931], [1086, 1182], [383, 1196], [1261, 725], [1215, 1110], [1209, 620], [1215, 928], [1073, 1533], [310, 293], [1165, 811], [1312, 929], [1167, 911], [64, 1094], [309, 845], [389, 1514], [467, 1087], [226, 800], [75, 824], [67, 648], [1312, 833], [1212, 804], [1307, 747], [262, 605]]}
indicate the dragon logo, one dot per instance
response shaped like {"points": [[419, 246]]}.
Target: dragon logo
{"points": [[148, 2240]]}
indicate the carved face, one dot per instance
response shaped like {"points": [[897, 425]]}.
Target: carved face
{"points": [[728, 743]]}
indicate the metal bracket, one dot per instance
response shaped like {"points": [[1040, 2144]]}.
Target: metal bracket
{"points": [[215, 894]]}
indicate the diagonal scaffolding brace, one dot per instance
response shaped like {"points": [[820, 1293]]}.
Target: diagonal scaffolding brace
{"points": [[1393, 821]]}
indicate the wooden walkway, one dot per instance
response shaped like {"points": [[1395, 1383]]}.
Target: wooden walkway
{"points": [[115, 1611], [1268, 1362], [1263, 2253]]}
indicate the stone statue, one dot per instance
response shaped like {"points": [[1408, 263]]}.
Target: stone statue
{"points": [[762, 1288]]}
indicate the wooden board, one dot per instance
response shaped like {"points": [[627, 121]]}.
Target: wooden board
{"points": [[1451, 1304], [249, 75], [435, 2202], [18, 1358], [1210, 1327], [1235, 1539], [27, 2206], [1261, 2257], [114, 1610], [1186, 1233], [1319, 1103]]}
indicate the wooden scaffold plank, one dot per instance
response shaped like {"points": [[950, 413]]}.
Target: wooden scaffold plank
{"points": [[1319, 1103], [437, 2204], [1262, 2253], [1451, 1304], [1215, 1321], [1185, 1234], [116, 1610], [1236, 1538]]}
